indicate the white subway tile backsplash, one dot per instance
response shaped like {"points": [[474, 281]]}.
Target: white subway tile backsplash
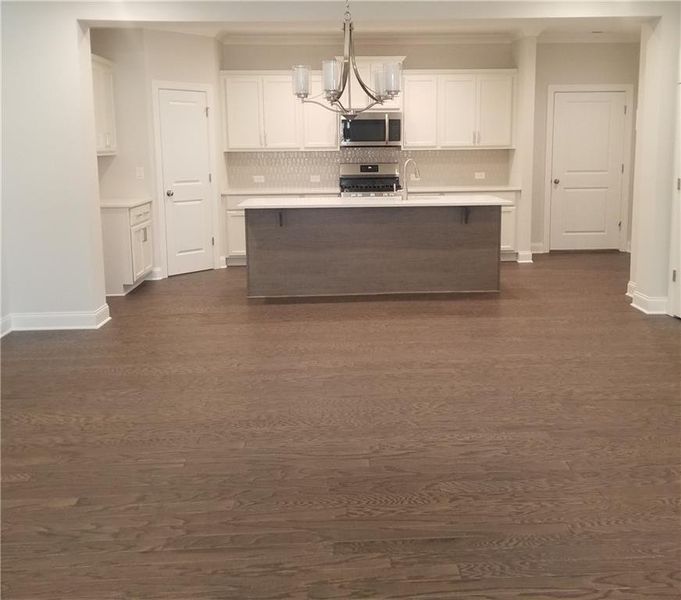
{"points": [[283, 170]]}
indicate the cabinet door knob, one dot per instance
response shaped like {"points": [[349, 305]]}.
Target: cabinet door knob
{"points": [[170, 193], [556, 181]]}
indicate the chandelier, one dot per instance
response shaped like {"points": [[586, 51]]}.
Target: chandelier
{"points": [[335, 78]]}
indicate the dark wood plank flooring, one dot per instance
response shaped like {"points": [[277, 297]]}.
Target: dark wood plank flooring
{"points": [[525, 445]]}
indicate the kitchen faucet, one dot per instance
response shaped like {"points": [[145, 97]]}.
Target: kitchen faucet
{"points": [[417, 176]]}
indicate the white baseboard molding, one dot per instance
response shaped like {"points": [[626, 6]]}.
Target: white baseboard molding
{"points": [[222, 262], [631, 288], [5, 325], [155, 275], [538, 248], [58, 320], [650, 305], [524, 256]]}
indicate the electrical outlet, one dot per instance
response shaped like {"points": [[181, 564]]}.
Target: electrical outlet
{"points": [[139, 172], [315, 178], [479, 175], [258, 179]]}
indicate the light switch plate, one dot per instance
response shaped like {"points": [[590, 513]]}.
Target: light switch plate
{"points": [[480, 174], [258, 179]]}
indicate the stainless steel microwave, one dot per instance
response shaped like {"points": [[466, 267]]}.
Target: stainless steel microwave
{"points": [[371, 129]]}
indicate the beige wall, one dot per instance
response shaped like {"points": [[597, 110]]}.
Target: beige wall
{"points": [[419, 56], [573, 64]]}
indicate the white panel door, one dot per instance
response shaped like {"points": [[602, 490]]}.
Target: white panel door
{"points": [[586, 175], [457, 110], [320, 126], [419, 120], [187, 192], [280, 114], [243, 107], [495, 110]]}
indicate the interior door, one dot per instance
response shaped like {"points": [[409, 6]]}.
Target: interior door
{"points": [[587, 166], [186, 187]]}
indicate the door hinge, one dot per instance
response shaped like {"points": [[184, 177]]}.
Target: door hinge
{"points": [[210, 178], [625, 109], [212, 241], [622, 167], [674, 275], [206, 112], [678, 183], [619, 225]]}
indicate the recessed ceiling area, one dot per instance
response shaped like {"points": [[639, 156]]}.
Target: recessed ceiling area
{"points": [[426, 31]]}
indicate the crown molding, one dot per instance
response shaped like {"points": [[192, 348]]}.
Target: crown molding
{"points": [[415, 39], [589, 38]]}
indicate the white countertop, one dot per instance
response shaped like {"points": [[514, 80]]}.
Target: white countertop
{"points": [[286, 202], [122, 202], [442, 189]]}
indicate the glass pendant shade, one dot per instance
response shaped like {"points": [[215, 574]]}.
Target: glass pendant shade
{"points": [[379, 82], [331, 75], [301, 81], [393, 77]]}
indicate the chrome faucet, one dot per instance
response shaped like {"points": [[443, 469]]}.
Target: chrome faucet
{"points": [[417, 176]]}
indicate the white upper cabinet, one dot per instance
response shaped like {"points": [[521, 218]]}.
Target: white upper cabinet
{"points": [[457, 106], [262, 113], [243, 108], [320, 126], [495, 110], [420, 111], [474, 109], [280, 113], [103, 95]]}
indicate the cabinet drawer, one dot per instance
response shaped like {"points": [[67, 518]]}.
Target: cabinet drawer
{"points": [[139, 214]]}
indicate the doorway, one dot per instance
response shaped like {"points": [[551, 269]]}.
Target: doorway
{"points": [[587, 174], [185, 179]]}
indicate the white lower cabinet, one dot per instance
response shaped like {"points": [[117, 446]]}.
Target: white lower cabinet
{"points": [[236, 238], [508, 227], [127, 234]]}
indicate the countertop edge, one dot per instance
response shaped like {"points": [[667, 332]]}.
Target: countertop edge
{"points": [[123, 203], [414, 190]]}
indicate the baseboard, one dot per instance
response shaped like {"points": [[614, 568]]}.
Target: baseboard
{"points": [[631, 288], [60, 320], [5, 325], [155, 275], [524, 257], [538, 248], [222, 262], [508, 256], [650, 305]]}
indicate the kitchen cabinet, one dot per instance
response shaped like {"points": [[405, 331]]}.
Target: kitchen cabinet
{"points": [[236, 238], [466, 109], [261, 113], [103, 97], [419, 120], [127, 235], [320, 126]]}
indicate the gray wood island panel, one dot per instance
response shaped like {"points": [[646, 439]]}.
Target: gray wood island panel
{"points": [[374, 250]]}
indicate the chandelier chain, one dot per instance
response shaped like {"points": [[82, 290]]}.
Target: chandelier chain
{"points": [[347, 16]]}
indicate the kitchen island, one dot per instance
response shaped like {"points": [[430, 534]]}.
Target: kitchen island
{"points": [[337, 246]]}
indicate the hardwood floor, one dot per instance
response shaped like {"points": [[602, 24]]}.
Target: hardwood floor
{"points": [[525, 445]]}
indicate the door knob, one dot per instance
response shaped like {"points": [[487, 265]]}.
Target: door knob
{"points": [[170, 193], [556, 181]]}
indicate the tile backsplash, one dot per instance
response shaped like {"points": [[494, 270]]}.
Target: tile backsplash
{"points": [[283, 170]]}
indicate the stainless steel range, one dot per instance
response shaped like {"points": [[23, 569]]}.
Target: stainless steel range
{"points": [[369, 179]]}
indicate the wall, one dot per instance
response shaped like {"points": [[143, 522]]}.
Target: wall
{"points": [[572, 64], [418, 56]]}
